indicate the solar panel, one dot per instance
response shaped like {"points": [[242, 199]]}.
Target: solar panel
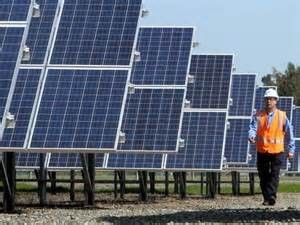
{"points": [[286, 104], [212, 74], [152, 119], [10, 42], [296, 121], [203, 134], [295, 162], [204, 123], [59, 161], [79, 109], [242, 94], [21, 107], [237, 146], [40, 30], [27, 160], [96, 32], [14, 10], [165, 55], [134, 161]]}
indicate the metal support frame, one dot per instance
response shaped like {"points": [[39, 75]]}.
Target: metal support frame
{"points": [[252, 183], [8, 175], [52, 176], [235, 182], [182, 184], [42, 181], [166, 184], [143, 185], [152, 182], [88, 173], [122, 180], [201, 182], [72, 185], [211, 185], [175, 176]]}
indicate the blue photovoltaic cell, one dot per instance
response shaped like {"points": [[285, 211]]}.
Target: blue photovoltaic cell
{"points": [[165, 55], [96, 32], [14, 10], [151, 119], [21, 107], [134, 161], [242, 94], [10, 42], [295, 162], [64, 160], [28, 160], [80, 109], [212, 75], [236, 148], [203, 134], [286, 104], [71, 160], [296, 122], [39, 31]]}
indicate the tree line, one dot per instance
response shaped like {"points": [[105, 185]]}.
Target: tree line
{"points": [[287, 82]]}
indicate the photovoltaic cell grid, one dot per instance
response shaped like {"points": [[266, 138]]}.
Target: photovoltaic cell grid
{"points": [[286, 104], [134, 161], [242, 94], [10, 42], [96, 32], [151, 120], [296, 122], [165, 55], [27, 160], [71, 160], [14, 10], [212, 81], [203, 133], [80, 109], [237, 147], [295, 162], [40, 30], [21, 107]]}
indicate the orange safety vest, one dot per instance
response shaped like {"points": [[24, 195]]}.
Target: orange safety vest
{"points": [[270, 137]]}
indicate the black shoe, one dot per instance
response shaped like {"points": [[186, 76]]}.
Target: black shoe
{"points": [[265, 202], [272, 201]]}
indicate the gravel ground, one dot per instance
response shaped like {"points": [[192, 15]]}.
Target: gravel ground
{"points": [[158, 210]]}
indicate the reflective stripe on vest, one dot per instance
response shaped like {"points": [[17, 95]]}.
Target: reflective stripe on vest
{"points": [[270, 137]]}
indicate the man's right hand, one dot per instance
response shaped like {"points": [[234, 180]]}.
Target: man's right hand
{"points": [[251, 140]]}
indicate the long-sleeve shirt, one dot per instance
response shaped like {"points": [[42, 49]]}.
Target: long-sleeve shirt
{"points": [[288, 128]]}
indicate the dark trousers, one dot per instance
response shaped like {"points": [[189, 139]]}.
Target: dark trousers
{"points": [[268, 166]]}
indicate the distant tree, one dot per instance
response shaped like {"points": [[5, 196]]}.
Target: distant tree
{"points": [[288, 83]]}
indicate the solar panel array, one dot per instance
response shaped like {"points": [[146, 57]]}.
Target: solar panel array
{"points": [[81, 89]]}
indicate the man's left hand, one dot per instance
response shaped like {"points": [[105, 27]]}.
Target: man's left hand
{"points": [[290, 155]]}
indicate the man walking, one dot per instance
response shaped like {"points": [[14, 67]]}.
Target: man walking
{"points": [[268, 129]]}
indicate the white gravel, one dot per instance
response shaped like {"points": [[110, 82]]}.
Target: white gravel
{"points": [[158, 210]]}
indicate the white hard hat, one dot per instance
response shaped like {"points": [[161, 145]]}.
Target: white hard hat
{"points": [[271, 93]]}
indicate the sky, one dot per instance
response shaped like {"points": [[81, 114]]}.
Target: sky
{"points": [[262, 34]]}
